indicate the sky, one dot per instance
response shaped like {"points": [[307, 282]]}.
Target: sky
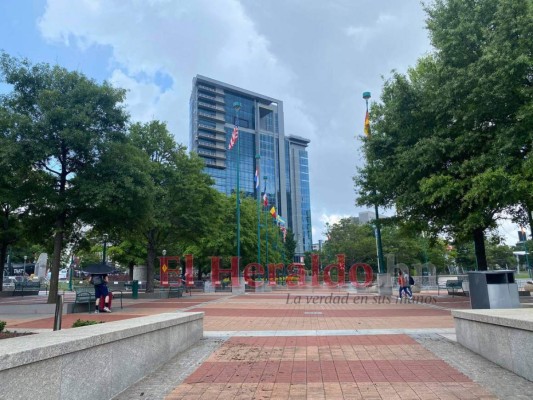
{"points": [[317, 56]]}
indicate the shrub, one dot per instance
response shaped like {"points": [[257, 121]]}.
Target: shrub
{"points": [[2, 325], [83, 322]]}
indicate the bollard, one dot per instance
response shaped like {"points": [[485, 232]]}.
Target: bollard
{"points": [[59, 313], [135, 289]]}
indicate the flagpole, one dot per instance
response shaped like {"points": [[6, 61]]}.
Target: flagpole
{"points": [[258, 188], [381, 264], [237, 107], [266, 224]]}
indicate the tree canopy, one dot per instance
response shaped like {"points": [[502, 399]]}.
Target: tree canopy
{"points": [[451, 139], [64, 122]]}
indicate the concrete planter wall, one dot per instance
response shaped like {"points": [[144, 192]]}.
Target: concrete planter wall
{"points": [[96, 361], [503, 336]]}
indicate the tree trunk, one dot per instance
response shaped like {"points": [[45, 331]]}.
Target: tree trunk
{"points": [[150, 265], [56, 260], [479, 246], [3, 254], [130, 272], [530, 218]]}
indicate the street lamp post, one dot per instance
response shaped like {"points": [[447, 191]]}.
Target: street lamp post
{"points": [[381, 264], [70, 272], [106, 236], [24, 266], [237, 107]]}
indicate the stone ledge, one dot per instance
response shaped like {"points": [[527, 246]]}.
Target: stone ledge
{"points": [[95, 361], [53, 344], [502, 336], [519, 318]]}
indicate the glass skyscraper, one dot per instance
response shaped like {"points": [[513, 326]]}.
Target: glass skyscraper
{"points": [[263, 145]]}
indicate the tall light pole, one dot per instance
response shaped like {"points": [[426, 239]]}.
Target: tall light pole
{"points": [[258, 158], [381, 264], [266, 225], [24, 266], [237, 107], [105, 236]]}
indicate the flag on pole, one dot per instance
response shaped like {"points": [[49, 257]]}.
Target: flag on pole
{"points": [[367, 124], [234, 137], [256, 178], [273, 212], [265, 197]]}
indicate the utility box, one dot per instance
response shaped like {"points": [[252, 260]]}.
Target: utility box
{"points": [[493, 289]]}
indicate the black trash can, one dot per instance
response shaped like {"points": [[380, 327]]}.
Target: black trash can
{"points": [[135, 289], [493, 289]]}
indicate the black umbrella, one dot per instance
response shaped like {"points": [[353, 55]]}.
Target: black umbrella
{"points": [[99, 268]]}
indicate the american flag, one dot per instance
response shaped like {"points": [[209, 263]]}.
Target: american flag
{"points": [[234, 137]]}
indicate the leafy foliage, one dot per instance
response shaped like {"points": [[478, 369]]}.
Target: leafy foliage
{"points": [[85, 322], [451, 138], [65, 123]]}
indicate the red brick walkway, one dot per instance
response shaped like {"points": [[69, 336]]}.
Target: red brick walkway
{"points": [[359, 350], [325, 366]]}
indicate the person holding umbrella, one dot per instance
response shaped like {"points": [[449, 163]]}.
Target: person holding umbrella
{"points": [[100, 290], [99, 279]]}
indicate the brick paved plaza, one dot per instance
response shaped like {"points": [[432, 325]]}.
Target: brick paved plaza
{"points": [[319, 345]]}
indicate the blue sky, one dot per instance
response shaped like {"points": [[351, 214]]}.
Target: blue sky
{"points": [[317, 56], [21, 37]]}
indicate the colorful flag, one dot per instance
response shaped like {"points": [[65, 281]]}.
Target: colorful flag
{"points": [[367, 124], [256, 179], [280, 220], [273, 212], [234, 137], [265, 197]]}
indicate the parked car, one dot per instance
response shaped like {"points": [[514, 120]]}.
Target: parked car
{"points": [[9, 282]]}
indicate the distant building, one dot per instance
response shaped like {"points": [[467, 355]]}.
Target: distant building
{"points": [[319, 246], [282, 159], [366, 216]]}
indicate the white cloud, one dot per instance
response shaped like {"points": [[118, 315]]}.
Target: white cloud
{"points": [[317, 57], [180, 39]]}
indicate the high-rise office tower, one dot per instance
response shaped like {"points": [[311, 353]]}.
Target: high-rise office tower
{"points": [[281, 159]]}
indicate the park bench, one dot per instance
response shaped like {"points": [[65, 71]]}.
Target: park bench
{"points": [[175, 291], [452, 286], [84, 295], [27, 287], [178, 288]]}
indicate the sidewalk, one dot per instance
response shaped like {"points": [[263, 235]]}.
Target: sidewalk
{"points": [[298, 345]]}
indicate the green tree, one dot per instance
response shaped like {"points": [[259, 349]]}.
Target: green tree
{"points": [[221, 238], [13, 186], [290, 246], [357, 242], [181, 196], [65, 122], [446, 146]]}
